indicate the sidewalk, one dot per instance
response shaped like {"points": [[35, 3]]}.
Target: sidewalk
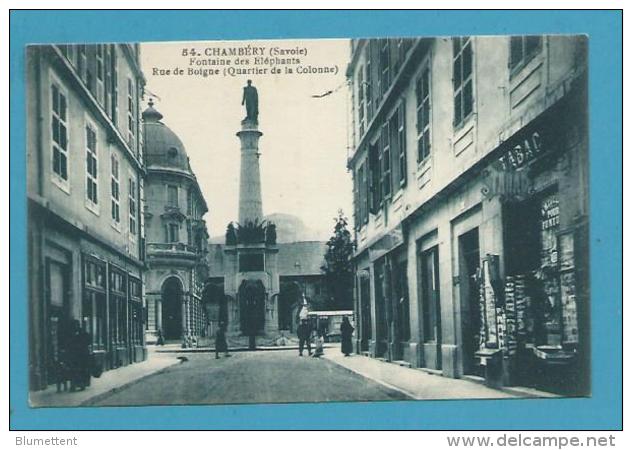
{"points": [[419, 385], [110, 381]]}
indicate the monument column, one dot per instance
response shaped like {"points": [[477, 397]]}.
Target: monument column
{"points": [[250, 205]]}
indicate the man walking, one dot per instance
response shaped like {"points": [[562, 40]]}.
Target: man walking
{"points": [[304, 333]]}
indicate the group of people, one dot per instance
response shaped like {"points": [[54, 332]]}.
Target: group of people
{"points": [[304, 334]]}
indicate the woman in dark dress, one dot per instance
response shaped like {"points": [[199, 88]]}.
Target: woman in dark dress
{"points": [[346, 331]]}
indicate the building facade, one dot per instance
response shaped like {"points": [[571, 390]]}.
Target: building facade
{"points": [[85, 175], [176, 236], [470, 164]]}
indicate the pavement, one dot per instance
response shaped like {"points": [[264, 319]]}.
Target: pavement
{"points": [[422, 385], [250, 377], [109, 382], [175, 376]]}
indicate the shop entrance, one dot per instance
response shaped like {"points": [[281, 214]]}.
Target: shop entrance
{"points": [[365, 313], [469, 264], [58, 317], [521, 236], [401, 329], [172, 309], [381, 323], [431, 308]]}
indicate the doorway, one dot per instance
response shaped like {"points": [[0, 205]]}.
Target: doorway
{"points": [[58, 315], [381, 323], [289, 304], [172, 309], [431, 308], [469, 264], [365, 313], [252, 307], [401, 314]]}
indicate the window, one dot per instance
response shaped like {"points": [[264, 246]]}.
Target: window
{"points": [[403, 45], [172, 196], [190, 203], [368, 92], [374, 178], [462, 79], [360, 88], [356, 199], [401, 143], [422, 95], [69, 53], [131, 104], [132, 207], [100, 74], [385, 63], [82, 62], [94, 307], [59, 125], [394, 150], [522, 49], [173, 232], [118, 307], [115, 191], [92, 193], [364, 193], [136, 312], [114, 85], [386, 161]]}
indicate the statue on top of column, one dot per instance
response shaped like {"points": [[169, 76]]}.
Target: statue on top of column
{"points": [[251, 100]]}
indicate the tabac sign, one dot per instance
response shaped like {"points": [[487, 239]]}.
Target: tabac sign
{"points": [[508, 176], [527, 149]]}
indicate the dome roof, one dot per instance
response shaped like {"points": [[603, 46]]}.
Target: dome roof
{"points": [[163, 148]]}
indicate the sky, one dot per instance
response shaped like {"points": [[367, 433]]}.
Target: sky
{"points": [[305, 139]]}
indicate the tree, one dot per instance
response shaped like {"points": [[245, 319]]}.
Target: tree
{"points": [[338, 267]]}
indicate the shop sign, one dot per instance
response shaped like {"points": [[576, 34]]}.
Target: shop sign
{"points": [[508, 176], [527, 149], [550, 213], [550, 221], [509, 185]]}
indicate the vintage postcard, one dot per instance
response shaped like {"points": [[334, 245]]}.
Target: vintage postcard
{"points": [[283, 221]]}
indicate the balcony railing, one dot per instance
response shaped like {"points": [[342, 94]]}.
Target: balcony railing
{"points": [[171, 247]]}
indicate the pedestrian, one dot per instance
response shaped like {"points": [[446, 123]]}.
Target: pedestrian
{"points": [[79, 357], [161, 339], [346, 330], [220, 341], [304, 333], [320, 341]]}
